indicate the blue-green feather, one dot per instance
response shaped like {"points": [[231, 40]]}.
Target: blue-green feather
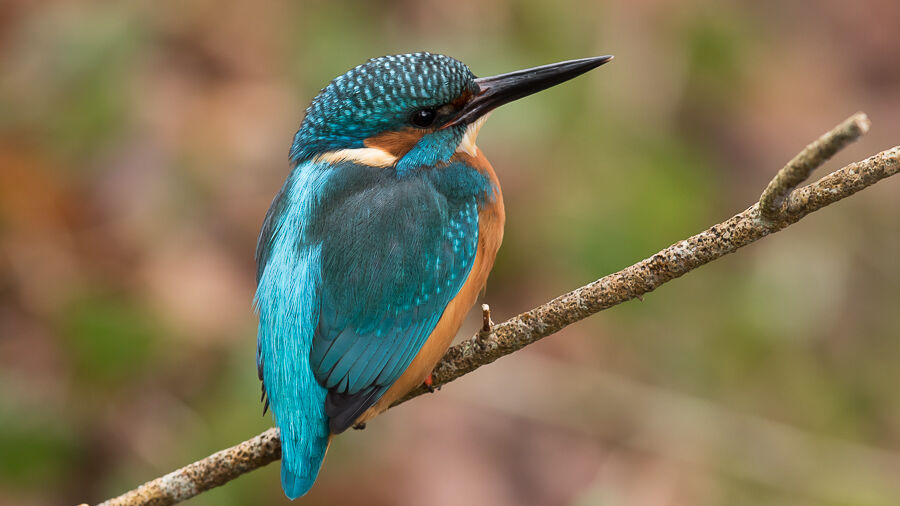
{"points": [[377, 97], [287, 300], [396, 250], [356, 267]]}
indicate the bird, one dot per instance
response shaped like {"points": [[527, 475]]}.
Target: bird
{"points": [[378, 243]]}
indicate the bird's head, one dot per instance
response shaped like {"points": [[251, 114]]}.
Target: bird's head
{"points": [[413, 110]]}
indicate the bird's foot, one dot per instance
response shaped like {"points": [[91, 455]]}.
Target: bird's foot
{"points": [[487, 326], [360, 426], [429, 384]]}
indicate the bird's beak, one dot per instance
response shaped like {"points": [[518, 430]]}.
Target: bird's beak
{"points": [[497, 90]]}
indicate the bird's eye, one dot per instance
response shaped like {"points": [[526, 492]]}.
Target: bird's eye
{"points": [[422, 117]]}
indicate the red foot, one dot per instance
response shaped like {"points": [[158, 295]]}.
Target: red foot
{"points": [[429, 383]]}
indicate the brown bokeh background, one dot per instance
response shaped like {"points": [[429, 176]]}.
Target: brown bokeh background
{"points": [[141, 143]]}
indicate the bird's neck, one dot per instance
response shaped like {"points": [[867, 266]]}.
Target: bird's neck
{"points": [[405, 150], [432, 149]]}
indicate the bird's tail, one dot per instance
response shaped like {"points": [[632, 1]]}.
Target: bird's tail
{"points": [[295, 485], [287, 304], [300, 464]]}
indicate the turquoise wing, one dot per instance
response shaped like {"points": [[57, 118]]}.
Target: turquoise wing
{"points": [[394, 254], [355, 268]]}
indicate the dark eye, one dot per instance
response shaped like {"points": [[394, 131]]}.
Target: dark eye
{"points": [[422, 118]]}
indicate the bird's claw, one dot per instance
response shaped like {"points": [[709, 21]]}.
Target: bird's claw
{"points": [[428, 384]]}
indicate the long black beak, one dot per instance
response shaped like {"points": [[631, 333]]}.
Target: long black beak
{"points": [[497, 90]]}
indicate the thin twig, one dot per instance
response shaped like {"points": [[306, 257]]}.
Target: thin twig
{"points": [[526, 328], [217, 469], [487, 325], [647, 275], [796, 171]]}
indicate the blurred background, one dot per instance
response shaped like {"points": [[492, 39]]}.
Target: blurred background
{"points": [[140, 146]]}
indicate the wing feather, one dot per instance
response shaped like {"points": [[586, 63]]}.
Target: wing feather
{"points": [[391, 254], [394, 257]]}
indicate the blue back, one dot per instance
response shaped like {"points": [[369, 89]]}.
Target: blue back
{"points": [[356, 266], [287, 300]]}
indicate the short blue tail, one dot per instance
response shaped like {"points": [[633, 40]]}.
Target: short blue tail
{"points": [[287, 303], [299, 472], [295, 486]]}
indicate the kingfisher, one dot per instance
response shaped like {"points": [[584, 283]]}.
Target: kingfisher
{"points": [[378, 243]]}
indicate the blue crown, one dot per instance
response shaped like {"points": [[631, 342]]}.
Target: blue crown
{"points": [[378, 96]]}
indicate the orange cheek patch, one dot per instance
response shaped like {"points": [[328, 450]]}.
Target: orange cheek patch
{"points": [[396, 143]]}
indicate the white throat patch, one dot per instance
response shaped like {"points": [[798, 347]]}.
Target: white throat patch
{"points": [[373, 157], [467, 145]]}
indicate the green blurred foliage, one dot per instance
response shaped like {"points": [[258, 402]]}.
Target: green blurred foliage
{"points": [[108, 341], [34, 451]]}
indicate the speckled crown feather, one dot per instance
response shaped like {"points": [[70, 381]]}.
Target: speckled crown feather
{"points": [[377, 96]]}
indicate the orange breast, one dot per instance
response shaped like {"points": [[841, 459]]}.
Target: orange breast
{"points": [[490, 235]]}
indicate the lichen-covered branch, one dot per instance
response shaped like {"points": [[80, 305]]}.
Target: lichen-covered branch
{"points": [[647, 275], [785, 206], [217, 469], [796, 171]]}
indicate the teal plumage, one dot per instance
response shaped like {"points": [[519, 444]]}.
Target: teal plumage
{"points": [[377, 97], [316, 334], [366, 244], [287, 303]]}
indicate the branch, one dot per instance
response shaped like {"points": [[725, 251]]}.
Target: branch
{"points": [[780, 205], [811, 158]]}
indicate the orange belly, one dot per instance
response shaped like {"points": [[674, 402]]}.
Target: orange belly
{"points": [[490, 235]]}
